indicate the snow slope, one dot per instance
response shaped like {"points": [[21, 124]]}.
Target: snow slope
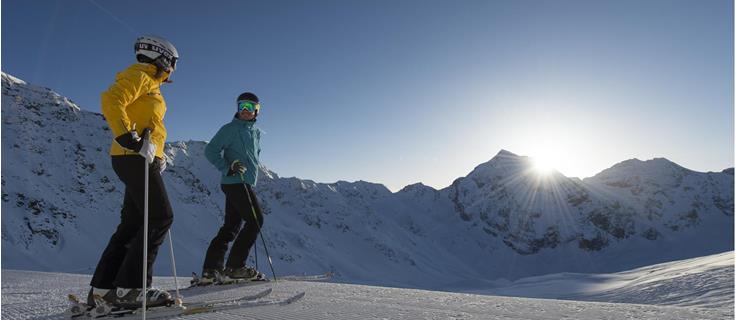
{"points": [[705, 282], [61, 201], [39, 295]]}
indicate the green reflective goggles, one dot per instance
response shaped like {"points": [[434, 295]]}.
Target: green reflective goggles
{"points": [[248, 105]]}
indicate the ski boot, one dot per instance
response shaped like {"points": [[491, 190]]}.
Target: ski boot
{"points": [[108, 295], [209, 276], [133, 298], [78, 308], [100, 302], [242, 274]]}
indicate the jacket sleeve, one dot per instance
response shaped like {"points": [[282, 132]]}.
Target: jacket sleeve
{"points": [[127, 88], [158, 133], [213, 151]]}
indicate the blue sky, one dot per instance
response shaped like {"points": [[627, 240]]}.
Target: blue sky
{"points": [[398, 92]]}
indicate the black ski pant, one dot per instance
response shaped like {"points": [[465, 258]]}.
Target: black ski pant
{"points": [[240, 204], [121, 264]]}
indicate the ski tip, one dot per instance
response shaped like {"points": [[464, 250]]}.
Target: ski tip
{"points": [[293, 299]]}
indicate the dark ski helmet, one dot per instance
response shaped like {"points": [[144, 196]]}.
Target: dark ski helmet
{"points": [[248, 96], [158, 51]]}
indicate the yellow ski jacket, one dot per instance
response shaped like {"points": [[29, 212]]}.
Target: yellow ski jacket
{"points": [[135, 98]]}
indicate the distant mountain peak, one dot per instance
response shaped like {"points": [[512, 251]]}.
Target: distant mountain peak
{"points": [[505, 153], [9, 78], [503, 163], [655, 167], [660, 161], [416, 187]]}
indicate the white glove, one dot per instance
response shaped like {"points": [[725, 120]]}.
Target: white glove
{"points": [[148, 150]]}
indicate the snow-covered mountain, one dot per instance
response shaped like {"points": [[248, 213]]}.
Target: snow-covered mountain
{"points": [[61, 201]]}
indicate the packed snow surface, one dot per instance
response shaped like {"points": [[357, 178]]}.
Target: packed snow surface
{"points": [[699, 282], [39, 295]]}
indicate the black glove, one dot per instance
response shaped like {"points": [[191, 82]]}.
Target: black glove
{"points": [[130, 140], [236, 168]]}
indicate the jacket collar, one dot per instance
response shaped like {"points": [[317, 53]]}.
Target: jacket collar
{"points": [[150, 70], [246, 123]]}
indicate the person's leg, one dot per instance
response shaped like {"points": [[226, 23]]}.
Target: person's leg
{"points": [[241, 197], [215, 256], [107, 268], [160, 218]]}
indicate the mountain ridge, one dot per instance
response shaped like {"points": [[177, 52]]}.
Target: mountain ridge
{"points": [[499, 221]]}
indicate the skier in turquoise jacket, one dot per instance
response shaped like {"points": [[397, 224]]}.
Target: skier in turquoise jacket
{"points": [[234, 151]]}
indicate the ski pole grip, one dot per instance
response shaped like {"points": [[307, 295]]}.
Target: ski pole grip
{"points": [[147, 133]]}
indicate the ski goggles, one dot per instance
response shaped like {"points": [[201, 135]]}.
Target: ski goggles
{"points": [[248, 105], [173, 62]]}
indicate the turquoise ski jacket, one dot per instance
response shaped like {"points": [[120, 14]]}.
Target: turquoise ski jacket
{"points": [[237, 140]]}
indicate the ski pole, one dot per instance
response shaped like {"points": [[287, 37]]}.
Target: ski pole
{"points": [[257, 222], [146, 137], [256, 254], [173, 267], [145, 237]]}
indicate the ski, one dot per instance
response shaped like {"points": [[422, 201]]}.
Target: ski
{"points": [[246, 304], [168, 312], [317, 277], [195, 282], [81, 310], [223, 280], [249, 297]]}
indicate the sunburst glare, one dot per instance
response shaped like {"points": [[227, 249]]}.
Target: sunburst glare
{"points": [[544, 164]]}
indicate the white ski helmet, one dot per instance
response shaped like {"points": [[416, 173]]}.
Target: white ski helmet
{"points": [[150, 48]]}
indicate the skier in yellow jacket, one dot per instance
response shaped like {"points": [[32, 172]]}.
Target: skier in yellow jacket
{"points": [[134, 108]]}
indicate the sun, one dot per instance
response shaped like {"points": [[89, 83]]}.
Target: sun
{"points": [[547, 154], [543, 164], [542, 167]]}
